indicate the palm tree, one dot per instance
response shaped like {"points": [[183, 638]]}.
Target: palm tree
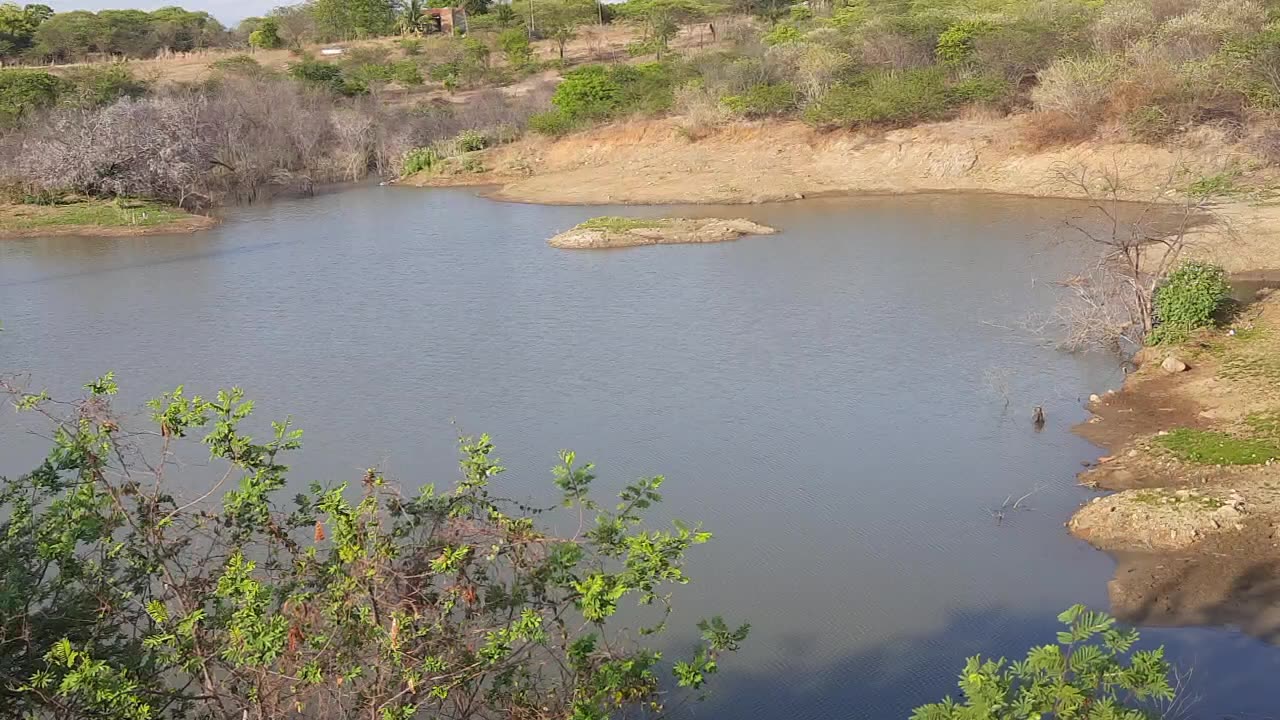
{"points": [[411, 14]]}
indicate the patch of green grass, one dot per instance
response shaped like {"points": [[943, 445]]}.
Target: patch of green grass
{"points": [[1210, 447], [94, 213], [1187, 501], [614, 223]]}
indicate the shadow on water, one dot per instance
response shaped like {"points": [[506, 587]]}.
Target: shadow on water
{"points": [[889, 680]]}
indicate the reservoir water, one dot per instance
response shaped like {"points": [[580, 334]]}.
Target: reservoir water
{"points": [[843, 404]]}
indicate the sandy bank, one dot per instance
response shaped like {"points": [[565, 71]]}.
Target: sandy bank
{"points": [[665, 162], [1194, 534], [617, 232]]}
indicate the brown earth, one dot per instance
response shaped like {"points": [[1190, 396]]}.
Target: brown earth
{"points": [[670, 161], [1195, 544]]}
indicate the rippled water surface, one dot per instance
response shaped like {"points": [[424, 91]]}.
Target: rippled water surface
{"points": [[841, 404]]}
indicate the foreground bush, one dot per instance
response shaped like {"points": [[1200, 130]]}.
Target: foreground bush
{"points": [[122, 600], [25, 91], [1188, 299], [1092, 672], [885, 98]]}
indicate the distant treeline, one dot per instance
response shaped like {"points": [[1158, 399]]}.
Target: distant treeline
{"points": [[34, 33]]}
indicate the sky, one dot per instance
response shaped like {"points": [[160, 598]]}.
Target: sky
{"points": [[228, 11]]}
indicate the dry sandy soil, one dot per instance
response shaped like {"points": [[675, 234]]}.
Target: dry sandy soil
{"points": [[669, 162]]}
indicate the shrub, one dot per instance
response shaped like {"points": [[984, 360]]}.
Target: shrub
{"points": [[553, 123], [410, 46], [1093, 671], [95, 86], [1187, 299], [475, 52], [956, 44], [1120, 24], [406, 72], [471, 140], [25, 91], [783, 33], [983, 90], [330, 77], [238, 65], [398, 602], [419, 159], [515, 45], [763, 100], [1149, 123], [884, 98], [648, 88], [588, 92], [810, 67], [1077, 87]]}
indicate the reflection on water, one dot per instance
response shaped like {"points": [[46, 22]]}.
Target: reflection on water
{"points": [[830, 401]]}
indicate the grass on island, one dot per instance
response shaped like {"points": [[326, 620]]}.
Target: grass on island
{"points": [[1211, 447], [88, 213], [613, 223], [1176, 501]]}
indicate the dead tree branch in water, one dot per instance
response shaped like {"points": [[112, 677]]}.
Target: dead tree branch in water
{"points": [[1010, 505]]}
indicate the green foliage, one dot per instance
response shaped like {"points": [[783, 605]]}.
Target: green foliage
{"points": [[123, 600], [349, 19], [589, 92], [470, 141], [763, 100], [238, 65], [420, 159], [1093, 672], [18, 26], [885, 98], [982, 90], [1187, 299], [70, 36], [1149, 123], [553, 123], [957, 44], [327, 76], [25, 91], [783, 33], [515, 45], [1207, 447], [475, 52], [410, 46], [98, 85], [267, 36]]}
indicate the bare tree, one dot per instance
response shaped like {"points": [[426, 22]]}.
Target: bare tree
{"points": [[1142, 235]]}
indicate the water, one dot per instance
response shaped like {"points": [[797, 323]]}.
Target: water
{"points": [[842, 404]]}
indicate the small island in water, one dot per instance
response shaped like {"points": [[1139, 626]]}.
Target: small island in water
{"points": [[614, 232]]}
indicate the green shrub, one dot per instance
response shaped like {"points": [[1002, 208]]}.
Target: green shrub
{"points": [[475, 52], [763, 100], [1189, 298], [640, 48], [330, 77], [884, 98], [441, 72], [1092, 672], [410, 46], [515, 45], [97, 85], [1149, 124], [588, 92], [956, 44], [553, 123], [24, 91], [238, 65], [419, 159], [470, 141], [406, 72], [782, 34], [984, 90], [648, 88]]}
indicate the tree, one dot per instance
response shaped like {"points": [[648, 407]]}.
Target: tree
{"points": [[515, 45], [562, 18], [18, 27], [295, 24], [345, 19], [67, 36], [267, 36], [123, 600], [662, 18], [412, 17], [1092, 672]]}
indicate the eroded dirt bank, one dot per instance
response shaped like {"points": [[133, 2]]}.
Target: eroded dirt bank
{"points": [[669, 162], [1193, 457]]}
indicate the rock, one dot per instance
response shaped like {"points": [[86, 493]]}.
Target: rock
{"points": [[1094, 398], [1172, 364]]}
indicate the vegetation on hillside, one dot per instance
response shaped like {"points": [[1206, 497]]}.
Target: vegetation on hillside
{"points": [[268, 596]]}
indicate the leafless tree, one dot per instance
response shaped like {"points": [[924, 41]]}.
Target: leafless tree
{"points": [[1142, 236]]}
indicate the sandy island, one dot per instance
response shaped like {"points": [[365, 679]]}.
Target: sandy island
{"points": [[616, 232]]}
